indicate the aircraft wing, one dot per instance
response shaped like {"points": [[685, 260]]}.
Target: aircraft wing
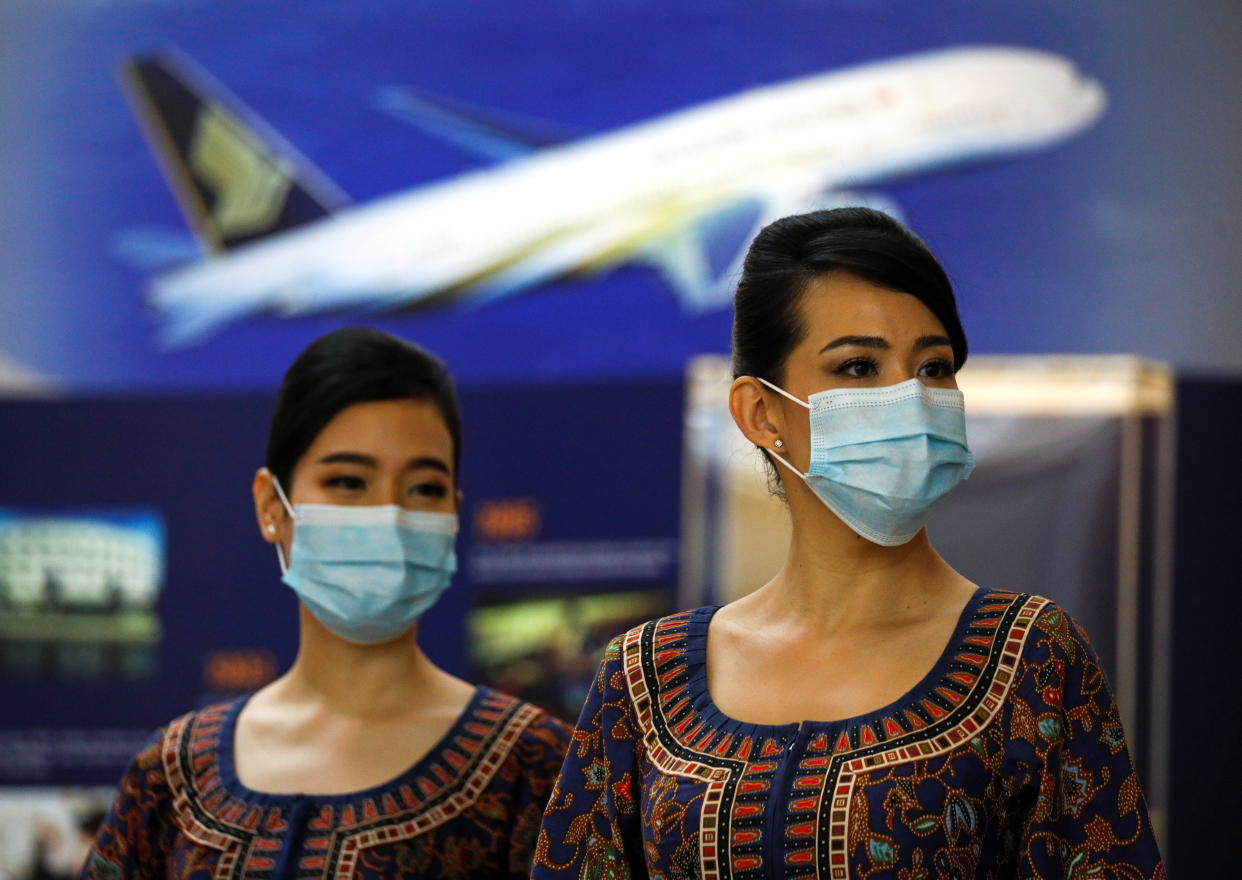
{"points": [[701, 258], [482, 132]]}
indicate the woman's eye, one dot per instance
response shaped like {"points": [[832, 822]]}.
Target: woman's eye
{"points": [[349, 484], [859, 368], [429, 490], [938, 369]]}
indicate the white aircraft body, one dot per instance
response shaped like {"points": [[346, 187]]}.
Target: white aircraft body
{"points": [[651, 192]]}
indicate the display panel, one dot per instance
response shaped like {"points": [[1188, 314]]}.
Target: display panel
{"points": [[547, 650], [79, 592]]}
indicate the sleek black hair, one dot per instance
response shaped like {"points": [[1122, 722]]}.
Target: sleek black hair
{"points": [[790, 253], [348, 366]]}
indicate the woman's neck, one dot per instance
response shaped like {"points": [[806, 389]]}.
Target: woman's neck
{"points": [[363, 680], [834, 579]]}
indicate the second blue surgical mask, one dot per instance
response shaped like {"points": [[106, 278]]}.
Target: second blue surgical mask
{"points": [[882, 457], [367, 573]]}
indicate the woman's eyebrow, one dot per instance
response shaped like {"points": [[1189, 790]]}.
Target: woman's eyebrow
{"points": [[349, 458], [930, 342], [864, 341], [427, 461], [422, 461]]}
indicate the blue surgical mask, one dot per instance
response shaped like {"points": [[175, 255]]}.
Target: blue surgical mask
{"points": [[367, 573], [882, 457]]}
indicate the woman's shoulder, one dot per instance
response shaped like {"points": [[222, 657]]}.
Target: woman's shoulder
{"points": [[1054, 633], [148, 762], [157, 766], [523, 722], [646, 657], [1022, 619], [205, 725], [667, 635], [1052, 666], [1019, 629], [527, 741], [190, 744]]}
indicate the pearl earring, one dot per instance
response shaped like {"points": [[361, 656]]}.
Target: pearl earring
{"points": [[779, 443], [271, 528]]}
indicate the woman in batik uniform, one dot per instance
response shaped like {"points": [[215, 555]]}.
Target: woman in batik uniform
{"points": [[868, 712], [364, 759]]}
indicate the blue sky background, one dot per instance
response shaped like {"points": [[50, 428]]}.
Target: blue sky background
{"points": [[1119, 240]]}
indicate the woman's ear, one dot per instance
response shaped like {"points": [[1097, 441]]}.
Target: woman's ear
{"points": [[268, 510], [760, 423]]}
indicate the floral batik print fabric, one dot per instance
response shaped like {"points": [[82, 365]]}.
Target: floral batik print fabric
{"points": [[470, 808], [1007, 761]]}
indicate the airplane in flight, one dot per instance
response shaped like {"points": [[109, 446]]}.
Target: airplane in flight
{"points": [[683, 192]]}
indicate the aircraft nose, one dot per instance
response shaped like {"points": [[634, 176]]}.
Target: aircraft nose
{"points": [[1092, 98]]}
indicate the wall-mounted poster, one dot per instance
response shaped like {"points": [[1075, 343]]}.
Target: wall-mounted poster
{"points": [[190, 192], [79, 592], [546, 649]]}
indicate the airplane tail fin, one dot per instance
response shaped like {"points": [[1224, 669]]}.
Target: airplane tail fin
{"points": [[235, 179]]}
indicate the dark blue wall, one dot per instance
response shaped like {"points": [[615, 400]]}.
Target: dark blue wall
{"points": [[1206, 763]]}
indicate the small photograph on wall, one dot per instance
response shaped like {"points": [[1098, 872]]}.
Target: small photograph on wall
{"points": [[546, 650], [79, 591]]}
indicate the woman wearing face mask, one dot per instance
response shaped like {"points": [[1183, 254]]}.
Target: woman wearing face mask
{"points": [[364, 759], [868, 712]]}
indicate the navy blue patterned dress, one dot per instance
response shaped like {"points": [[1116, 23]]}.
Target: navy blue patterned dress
{"points": [[1007, 761], [469, 808]]}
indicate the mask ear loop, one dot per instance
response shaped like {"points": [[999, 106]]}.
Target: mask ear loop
{"points": [[284, 499], [803, 403]]}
